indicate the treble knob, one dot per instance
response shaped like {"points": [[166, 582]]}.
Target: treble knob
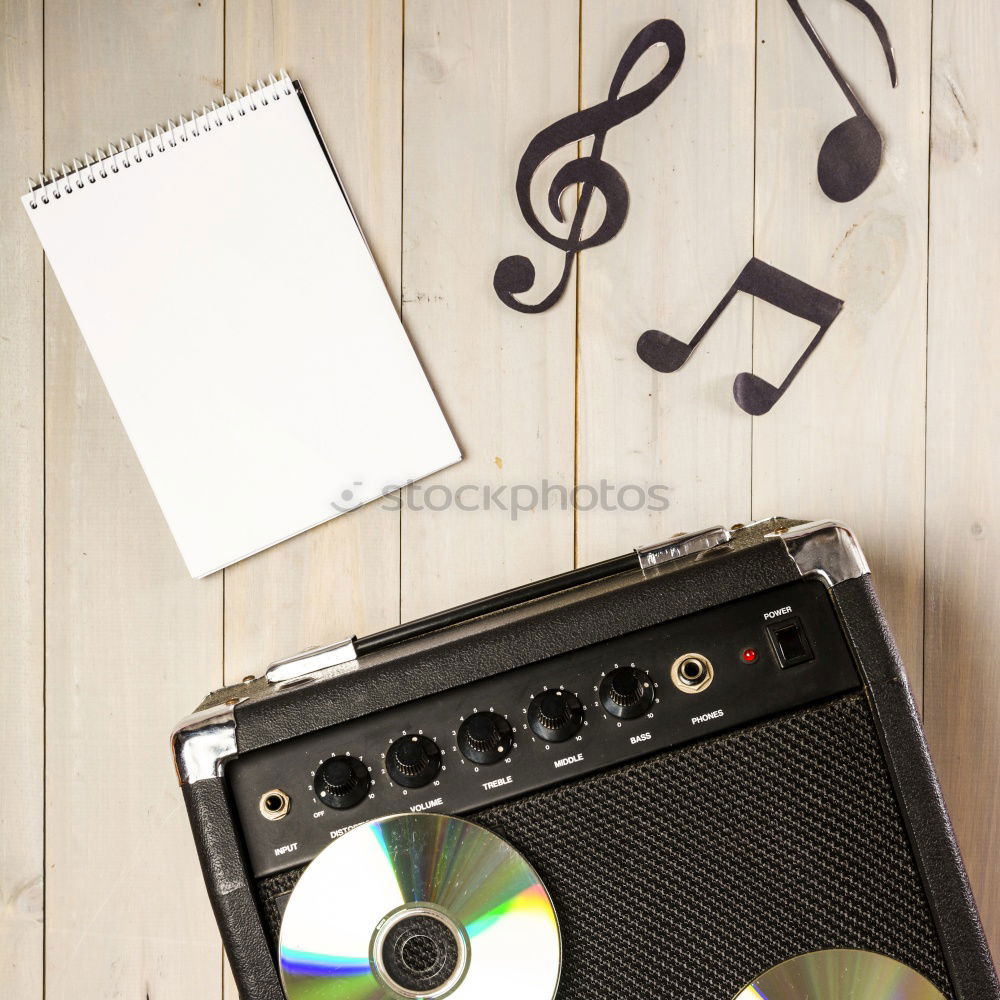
{"points": [[413, 761], [627, 693], [341, 782], [555, 716], [485, 738]]}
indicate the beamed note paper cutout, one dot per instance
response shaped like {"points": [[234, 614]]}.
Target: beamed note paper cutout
{"points": [[515, 275], [753, 394], [851, 154]]}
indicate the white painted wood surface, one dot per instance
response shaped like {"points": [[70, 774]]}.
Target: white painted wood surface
{"points": [[848, 439], [688, 162], [427, 107], [348, 57], [505, 380], [962, 666], [129, 636], [22, 498]]}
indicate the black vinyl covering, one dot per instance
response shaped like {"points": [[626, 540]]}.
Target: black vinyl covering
{"points": [[508, 637]]}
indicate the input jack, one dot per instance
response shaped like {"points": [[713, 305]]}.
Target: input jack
{"points": [[274, 805], [692, 673]]}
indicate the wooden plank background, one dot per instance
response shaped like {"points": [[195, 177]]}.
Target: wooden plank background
{"points": [[427, 106]]}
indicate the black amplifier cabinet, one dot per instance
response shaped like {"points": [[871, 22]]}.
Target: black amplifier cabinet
{"points": [[707, 748]]}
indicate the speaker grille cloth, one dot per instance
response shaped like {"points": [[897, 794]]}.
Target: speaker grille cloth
{"points": [[683, 876]]}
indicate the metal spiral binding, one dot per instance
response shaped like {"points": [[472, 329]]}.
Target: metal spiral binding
{"points": [[64, 180]]}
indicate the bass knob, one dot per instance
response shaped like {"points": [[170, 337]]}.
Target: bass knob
{"points": [[627, 693], [555, 715]]}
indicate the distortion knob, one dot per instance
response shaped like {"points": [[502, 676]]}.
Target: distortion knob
{"points": [[341, 782], [413, 761], [555, 716], [485, 738], [627, 693]]}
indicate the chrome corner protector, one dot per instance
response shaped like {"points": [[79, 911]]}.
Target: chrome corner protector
{"points": [[341, 655], [203, 742], [653, 557], [825, 549]]}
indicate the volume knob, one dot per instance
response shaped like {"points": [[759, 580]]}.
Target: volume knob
{"points": [[627, 693], [413, 761], [485, 738], [341, 782], [555, 715]]}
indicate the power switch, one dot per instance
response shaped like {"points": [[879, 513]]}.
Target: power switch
{"points": [[790, 643]]}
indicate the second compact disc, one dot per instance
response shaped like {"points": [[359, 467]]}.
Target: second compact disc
{"points": [[419, 906], [840, 974]]}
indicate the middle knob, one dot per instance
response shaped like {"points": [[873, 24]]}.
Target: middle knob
{"points": [[555, 715], [413, 761]]}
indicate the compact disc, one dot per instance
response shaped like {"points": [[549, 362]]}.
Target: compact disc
{"points": [[419, 906], [840, 974]]}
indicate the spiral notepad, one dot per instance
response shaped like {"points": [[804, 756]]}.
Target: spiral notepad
{"points": [[235, 313]]}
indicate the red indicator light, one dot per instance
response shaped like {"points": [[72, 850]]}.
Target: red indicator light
{"points": [[749, 655]]}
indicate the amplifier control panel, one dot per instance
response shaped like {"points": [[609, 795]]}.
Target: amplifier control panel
{"points": [[544, 723]]}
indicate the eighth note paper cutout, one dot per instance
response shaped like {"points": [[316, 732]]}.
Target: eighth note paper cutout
{"points": [[851, 154], [753, 394], [515, 275]]}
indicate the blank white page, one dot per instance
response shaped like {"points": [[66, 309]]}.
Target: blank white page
{"points": [[241, 326]]}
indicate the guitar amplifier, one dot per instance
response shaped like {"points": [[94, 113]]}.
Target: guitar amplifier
{"points": [[706, 749]]}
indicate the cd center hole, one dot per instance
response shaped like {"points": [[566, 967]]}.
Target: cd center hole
{"points": [[420, 953]]}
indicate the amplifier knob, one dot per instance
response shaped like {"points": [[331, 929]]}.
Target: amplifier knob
{"points": [[485, 738], [341, 782], [413, 761], [627, 693], [555, 716]]}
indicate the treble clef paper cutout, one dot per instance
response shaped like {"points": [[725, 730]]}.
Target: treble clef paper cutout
{"points": [[516, 274], [851, 154], [753, 394]]}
